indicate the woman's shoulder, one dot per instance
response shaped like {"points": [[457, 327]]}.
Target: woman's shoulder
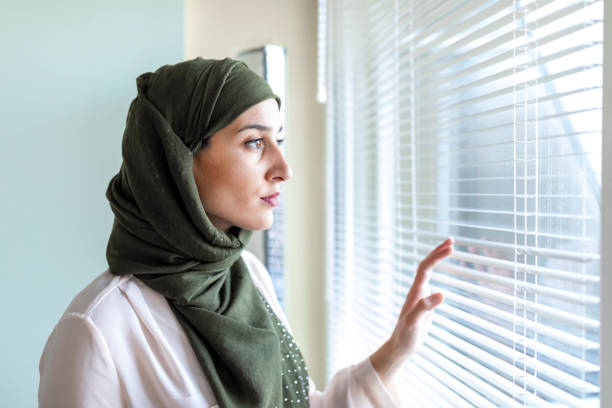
{"points": [[122, 321], [97, 294], [110, 301], [121, 304], [101, 308]]}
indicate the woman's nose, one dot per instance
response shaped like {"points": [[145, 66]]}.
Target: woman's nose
{"points": [[280, 170]]}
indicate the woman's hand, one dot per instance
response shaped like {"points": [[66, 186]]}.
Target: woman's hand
{"points": [[414, 319]]}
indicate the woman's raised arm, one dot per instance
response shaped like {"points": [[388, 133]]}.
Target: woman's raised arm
{"points": [[414, 319]]}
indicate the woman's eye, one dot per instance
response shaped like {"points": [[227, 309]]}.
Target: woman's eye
{"points": [[257, 143]]}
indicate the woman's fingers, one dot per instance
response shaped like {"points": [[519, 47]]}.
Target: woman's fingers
{"points": [[446, 242], [420, 285], [440, 252]]}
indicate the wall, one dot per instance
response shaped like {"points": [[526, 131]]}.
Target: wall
{"points": [[66, 80], [216, 29]]}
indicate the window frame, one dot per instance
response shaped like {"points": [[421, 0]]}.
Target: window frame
{"points": [[606, 218]]}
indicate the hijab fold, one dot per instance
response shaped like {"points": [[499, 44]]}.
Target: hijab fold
{"points": [[162, 235]]}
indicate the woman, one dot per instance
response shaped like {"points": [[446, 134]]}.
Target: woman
{"points": [[185, 317]]}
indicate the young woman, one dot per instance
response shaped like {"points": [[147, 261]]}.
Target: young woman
{"points": [[184, 316]]}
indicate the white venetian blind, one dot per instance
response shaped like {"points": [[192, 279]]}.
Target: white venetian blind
{"points": [[479, 120]]}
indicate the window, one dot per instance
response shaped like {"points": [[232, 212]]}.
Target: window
{"points": [[479, 120]]}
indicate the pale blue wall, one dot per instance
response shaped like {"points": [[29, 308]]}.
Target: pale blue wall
{"points": [[67, 76]]}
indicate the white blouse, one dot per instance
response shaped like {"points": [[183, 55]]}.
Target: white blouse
{"points": [[118, 344]]}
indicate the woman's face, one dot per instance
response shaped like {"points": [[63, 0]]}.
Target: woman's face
{"points": [[242, 164]]}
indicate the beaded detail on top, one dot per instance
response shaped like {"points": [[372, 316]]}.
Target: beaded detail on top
{"points": [[294, 370]]}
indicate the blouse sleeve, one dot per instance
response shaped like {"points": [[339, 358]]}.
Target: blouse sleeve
{"points": [[356, 386], [76, 369]]}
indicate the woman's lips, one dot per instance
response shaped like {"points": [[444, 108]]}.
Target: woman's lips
{"points": [[271, 200]]}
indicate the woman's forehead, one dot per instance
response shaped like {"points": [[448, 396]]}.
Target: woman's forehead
{"points": [[260, 127], [264, 116]]}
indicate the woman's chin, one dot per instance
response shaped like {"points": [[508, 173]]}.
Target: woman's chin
{"points": [[261, 224]]}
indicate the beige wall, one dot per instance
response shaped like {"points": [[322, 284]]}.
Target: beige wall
{"points": [[216, 29]]}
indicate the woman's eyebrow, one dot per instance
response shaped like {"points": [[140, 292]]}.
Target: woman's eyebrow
{"points": [[260, 127]]}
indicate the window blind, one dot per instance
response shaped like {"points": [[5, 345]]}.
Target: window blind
{"points": [[479, 120]]}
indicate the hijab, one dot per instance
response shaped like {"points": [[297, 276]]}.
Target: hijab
{"points": [[162, 235]]}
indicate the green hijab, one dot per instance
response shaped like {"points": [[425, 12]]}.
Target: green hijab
{"points": [[162, 235]]}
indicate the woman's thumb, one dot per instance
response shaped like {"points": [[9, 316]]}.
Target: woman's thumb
{"points": [[423, 306], [432, 301]]}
